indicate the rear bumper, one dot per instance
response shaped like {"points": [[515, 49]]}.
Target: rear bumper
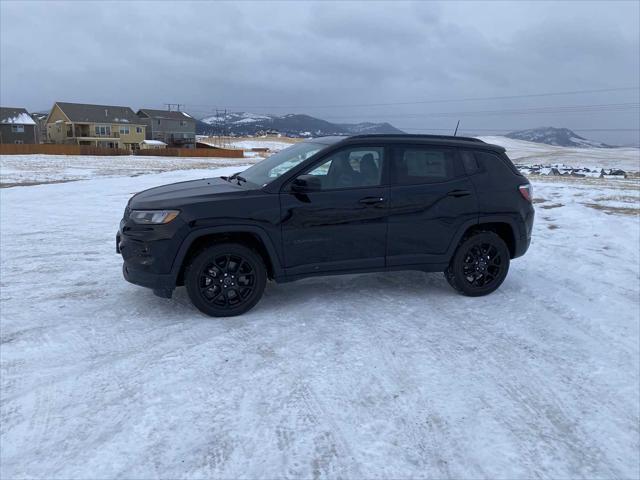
{"points": [[161, 284], [526, 228]]}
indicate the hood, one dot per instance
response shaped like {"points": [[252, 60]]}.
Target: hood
{"points": [[177, 194]]}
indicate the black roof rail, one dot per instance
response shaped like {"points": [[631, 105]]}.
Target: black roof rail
{"points": [[410, 135]]}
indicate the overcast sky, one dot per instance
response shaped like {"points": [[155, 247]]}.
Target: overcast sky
{"points": [[324, 58]]}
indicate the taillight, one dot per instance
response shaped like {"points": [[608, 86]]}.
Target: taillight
{"points": [[526, 191]]}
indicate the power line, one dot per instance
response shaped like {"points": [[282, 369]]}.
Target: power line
{"points": [[471, 129], [177, 105], [590, 108], [609, 107], [421, 102]]}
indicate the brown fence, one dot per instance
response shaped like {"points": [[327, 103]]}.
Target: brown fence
{"points": [[53, 149], [193, 152]]}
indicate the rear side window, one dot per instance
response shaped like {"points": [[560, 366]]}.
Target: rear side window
{"points": [[416, 164], [469, 161], [496, 163]]}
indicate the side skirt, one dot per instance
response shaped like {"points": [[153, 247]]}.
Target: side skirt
{"points": [[424, 267]]}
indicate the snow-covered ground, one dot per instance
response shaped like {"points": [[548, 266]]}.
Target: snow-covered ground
{"points": [[530, 153], [272, 145], [371, 376], [30, 169]]}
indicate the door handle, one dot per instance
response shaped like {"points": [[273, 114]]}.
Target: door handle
{"points": [[371, 200], [458, 193]]}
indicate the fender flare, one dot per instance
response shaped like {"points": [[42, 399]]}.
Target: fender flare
{"points": [[506, 219], [203, 231], [517, 231], [458, 236]]}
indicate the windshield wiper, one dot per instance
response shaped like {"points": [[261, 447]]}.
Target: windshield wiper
{"points": [[238, 177]]}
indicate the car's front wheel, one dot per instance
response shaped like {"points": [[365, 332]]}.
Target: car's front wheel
{"points": [[225, 279], [480, 264]]}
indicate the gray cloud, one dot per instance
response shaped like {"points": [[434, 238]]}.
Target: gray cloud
{"points": [[298, 54]]}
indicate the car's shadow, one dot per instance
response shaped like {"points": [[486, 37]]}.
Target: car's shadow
{"points": [[347, 290]]}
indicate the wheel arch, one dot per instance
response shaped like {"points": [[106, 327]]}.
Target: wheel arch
{"points": [[503, 228], [253, 237]]}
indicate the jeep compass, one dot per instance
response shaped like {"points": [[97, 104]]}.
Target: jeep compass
{"points": [[328, 206]]}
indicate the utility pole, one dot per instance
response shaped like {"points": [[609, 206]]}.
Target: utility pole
{"points": [[221, 126]]}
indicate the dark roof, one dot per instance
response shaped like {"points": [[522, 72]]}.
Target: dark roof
{"points": [[419, 137], [430, 139], [166, 114], [83, 112], [329, 140], [15, 115]]}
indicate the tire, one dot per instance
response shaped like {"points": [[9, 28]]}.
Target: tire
{"points": [[225, 279], [479, 265]]}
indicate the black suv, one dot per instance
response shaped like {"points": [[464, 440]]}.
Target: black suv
{"points": [[332, 205]]}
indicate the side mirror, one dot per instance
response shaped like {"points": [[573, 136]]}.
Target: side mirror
{"points": [[306, 184]]}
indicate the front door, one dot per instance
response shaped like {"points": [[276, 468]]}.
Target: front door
{"points": [[431, 198], [340, 223]]}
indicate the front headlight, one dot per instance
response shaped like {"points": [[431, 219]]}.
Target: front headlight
{"points": [[153, 217]]}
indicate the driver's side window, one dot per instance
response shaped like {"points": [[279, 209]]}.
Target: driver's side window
{"points": [[350, 168]]}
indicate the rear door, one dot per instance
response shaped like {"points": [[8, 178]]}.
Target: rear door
{"points": [[341, 225], [431, 199]]}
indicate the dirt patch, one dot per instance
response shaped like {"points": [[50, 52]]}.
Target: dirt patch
{"points": [[620, 198], [552, 205], [552, 226], [540, 200], [31, 184], [630, 183], [614, 210]]}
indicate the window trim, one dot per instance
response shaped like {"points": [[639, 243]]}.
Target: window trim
{"points": [[124, 130], [458, 169], [15, 128], [107, 129], [384, 179]]}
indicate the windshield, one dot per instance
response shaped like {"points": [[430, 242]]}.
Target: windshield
{"points": [[280, 163]]}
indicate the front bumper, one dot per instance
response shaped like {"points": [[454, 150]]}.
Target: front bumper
{"points": [[161, 284], [148, 262]]}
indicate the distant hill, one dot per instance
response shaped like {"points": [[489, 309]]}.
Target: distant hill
{"points": [[295, 125], [561, 137]]}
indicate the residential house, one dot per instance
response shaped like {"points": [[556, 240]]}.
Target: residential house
{"points": [[16, 126], [95, 125], [176, 129]]}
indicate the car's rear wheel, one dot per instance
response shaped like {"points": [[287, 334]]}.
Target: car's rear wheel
{"points": [[480, 264], [225, 279]]}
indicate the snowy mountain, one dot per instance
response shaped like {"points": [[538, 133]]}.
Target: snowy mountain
{"points": [[297, 125], [561, 137]]}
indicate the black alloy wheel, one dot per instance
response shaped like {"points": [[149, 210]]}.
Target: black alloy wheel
{"points": [[482, 264], [479, 265], [225, 279]]}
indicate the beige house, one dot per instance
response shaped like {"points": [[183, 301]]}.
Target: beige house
{"points": [[95, 125]]}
